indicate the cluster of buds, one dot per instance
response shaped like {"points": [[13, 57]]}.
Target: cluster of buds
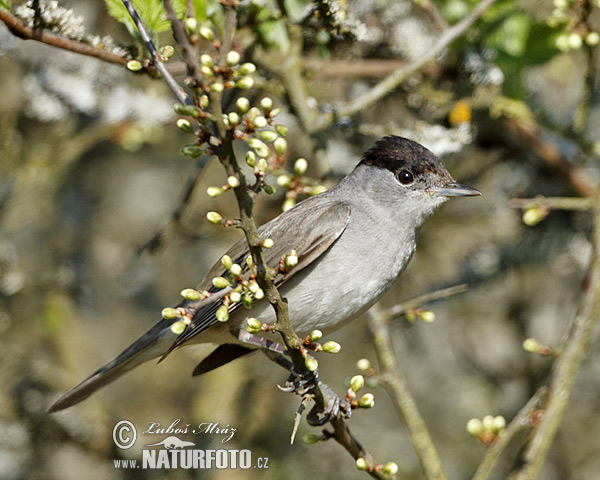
{"points": [[426, 316], [165, 53], [533, 215], [488, 429], [357, 382], [311, 343], [571, 16], [297, 183], [183, 313], [389, 469], [232, 182], [532, 345]]}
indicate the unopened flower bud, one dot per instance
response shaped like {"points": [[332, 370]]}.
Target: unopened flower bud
{"points": [[206, 60], [266, 103], [170, 313], [499, 424], [361, 464], [191, 24], [184, 125], [242, 104], [531, 345], [288, 204], [247, 301], [221, 282], [245, 83], [427, 316], [234, 118], [488, 423], [269, 189], [255, 143], [232, 58], [217, 87], [281, 130], [311, 438], [226, 261], [315, 335], [214, 191], [311, 364], [178, 327], [366, 401], [300, 166], [214, 217], [475, 427], [260, 122], [134, 65], [236, 270], [188, 110], [592, 39], [260, 294], [275, 112], [251, 159], [193, 151], [268, 135], [575, 41], [233, 181], [268, 243], [191, 294], [222, 313], [357, 382], [331, 347], [167, 51], [204, 101], [284, 180], [247, 68], [235, 297], [291, 260], [250, 261], [390, 469], [280, 146], [253, 286], [253, 325], [207, 34], [318, 189], [253, 113], [207, 71], [363, 365]]}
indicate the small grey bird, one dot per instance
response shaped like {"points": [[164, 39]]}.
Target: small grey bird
{"points": [[352, 242]]}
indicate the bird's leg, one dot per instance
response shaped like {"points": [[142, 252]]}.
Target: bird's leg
{"points": [[268, 345]]}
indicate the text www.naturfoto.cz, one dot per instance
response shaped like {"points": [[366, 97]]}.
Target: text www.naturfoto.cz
{"points": [[196, 459]]}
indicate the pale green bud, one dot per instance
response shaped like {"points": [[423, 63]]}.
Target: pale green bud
{"points": [[207, 34], [233, 181], [266, 103], [206, 60], [262, 165], [250, 261], [191, 24], [300, 166], [247, 68], [281, 130], [207, 71], [235, 297], [178, 327], [269, 189], [475, 427], [366, 401], [260, 294], [222, 313], [233, 118], [247, 301], [575, 41], [167, 51], [255, 143], [253, 113], [363, 365], [251, 159], [221, 282], [357, 382], [531, 345], [268, 243], [331, 347], [232, 58], [499, 424], [312, 438], [268, 135], [263, 152], [170, 313], [253, 325], [184, 125], [284, 180], [217, 87], [253, 286], [534, 215], [260, 122], [214, 191], [134, 65], [204, 101], [361, 464], [390, 469], [291, 260], [318, 189], [275, 112], [214, 217], [242, 104], [226, 261], [311, 364], [288, 204], [488, 423], [592, 39], [245, 83], [191, 294], [315, 335], [236, 270], [427, 316], [189, 110], [280, 146], [193, 151]]}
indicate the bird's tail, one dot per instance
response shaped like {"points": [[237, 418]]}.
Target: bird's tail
{"points": [[151, 345]]}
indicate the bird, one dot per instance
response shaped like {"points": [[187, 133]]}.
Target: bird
{"points": [[351, 243]]}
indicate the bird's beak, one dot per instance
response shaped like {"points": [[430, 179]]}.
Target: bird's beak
{"points": [[453, 189]]}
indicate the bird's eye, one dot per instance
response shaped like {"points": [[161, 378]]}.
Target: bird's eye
{"points": [[405, 177]]}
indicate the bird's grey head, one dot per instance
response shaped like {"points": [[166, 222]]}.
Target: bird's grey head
{"points": [[406, 175]]}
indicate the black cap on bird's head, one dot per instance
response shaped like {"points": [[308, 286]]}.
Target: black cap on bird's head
{"points": [[413, 164]]}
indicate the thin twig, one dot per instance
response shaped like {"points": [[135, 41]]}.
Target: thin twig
{"points": [[522, 421], [156, 58], [566, 366], [392, 377], [554, 203]]}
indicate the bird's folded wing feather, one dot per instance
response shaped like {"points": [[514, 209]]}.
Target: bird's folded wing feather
{"points": [[310, 229]]}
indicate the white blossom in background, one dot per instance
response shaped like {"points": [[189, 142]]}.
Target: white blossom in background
{"points": [[482, 70]]}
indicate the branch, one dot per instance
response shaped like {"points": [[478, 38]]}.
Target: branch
{"points": [[554, 203], [19, 29], [566, 366], [156, 58], [390, 83]]}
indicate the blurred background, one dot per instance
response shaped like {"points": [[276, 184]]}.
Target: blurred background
{"points": [[90, 175]]}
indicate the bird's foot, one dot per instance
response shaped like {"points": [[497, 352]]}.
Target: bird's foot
{"points": [[334, 407], [300, 383]]}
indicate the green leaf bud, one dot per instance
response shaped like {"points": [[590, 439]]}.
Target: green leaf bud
{"points": [[167, 51], [184, 125], [300, 166], [315, 335], [363, 364], [206, 60], [236, 270], [266, 103], [191, 294], [221, 282], [311, 364], [214, 217], [233, 181], [222, 313], [178, 327], [247, 301], [475, 427], [134, 65], [214, 191], [170, 313], [288, 204], [188, 110], [281, 130], [390, 469], [269, 189], [207, 34], [232, 58], [312, 438], [245, 83], [357, 382], [253, 325], [361, 464], [366, 401], [267, 135], [260, 122], [331, 347], [235, 297], [226, 261], [280, 146], [193, 151], [284, 180], [268, 243], [251, 159], [247, 68]]}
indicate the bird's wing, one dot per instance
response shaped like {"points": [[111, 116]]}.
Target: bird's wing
{"points": [[310, 229]]}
